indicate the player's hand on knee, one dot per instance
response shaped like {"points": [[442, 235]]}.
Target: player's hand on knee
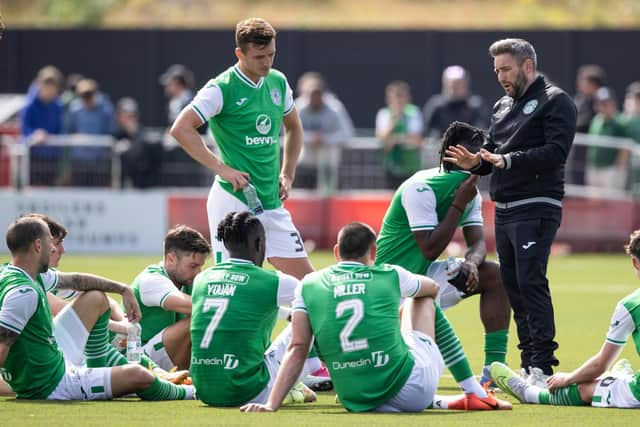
{"points": [[473, 276], [256, 407], [559, 380]]}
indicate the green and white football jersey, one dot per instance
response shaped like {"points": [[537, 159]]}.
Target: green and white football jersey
{"points": [[34, 365], [625, 322], [353, 312], [235, 305], [151, 288], [245, 119], [420, 203]]}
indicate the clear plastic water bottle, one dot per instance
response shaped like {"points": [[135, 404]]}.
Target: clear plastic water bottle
{"points": [[134, 343], [253, 201]]}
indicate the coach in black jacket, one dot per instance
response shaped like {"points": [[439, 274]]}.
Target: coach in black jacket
{"points": [[531, 133]]}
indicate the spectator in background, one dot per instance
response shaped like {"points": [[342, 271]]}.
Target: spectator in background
{"points": [[69, 94], [311, 78], [41, 117], [139, 158], [399, 126], [589, 79], [632, 117], [90, 114], [178, 84], [606, 166], [455, 103], [323, 137]]}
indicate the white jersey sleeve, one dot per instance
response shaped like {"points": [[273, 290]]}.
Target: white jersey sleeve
{"points": [[415, 123], [383, 120], [298, 303], [419, 204], [208, 101], [409, 283], [286, 288], [50, 280], [17, 308], [475, 212], [155, 288], [289, 104], [621, 326]]}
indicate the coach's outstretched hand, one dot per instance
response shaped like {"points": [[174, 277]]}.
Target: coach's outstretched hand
{"points": [[256, 407], [131, 306]]}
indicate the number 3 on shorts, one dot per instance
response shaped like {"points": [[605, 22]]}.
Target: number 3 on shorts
{"points": [[298, 241]]}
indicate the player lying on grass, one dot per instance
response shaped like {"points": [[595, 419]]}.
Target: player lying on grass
{"points": [[166, 309], [30, 359], [424, 214], [235, 305], [590, 384], [378, 362]]}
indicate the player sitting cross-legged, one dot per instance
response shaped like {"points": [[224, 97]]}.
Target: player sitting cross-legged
{"points": [[31, 361], [590, 384], [235, 306], [378, 362]]}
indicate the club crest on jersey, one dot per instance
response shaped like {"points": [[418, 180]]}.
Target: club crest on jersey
{"points": [[263, 124], [276, 96], [530, 106]]}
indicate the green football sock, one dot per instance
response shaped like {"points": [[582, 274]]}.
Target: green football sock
{"points": [[96, 348], [566, 396], [451, 348], [495, 346]]}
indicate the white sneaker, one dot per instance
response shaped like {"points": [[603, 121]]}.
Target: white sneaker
{"points": [[537, 378], [524, 374], [622, 369]]}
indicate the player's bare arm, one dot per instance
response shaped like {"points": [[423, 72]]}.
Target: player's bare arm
{"points": [[178, 303], [85, 282], [292, 364], [7, 338], [293, 137], [184, 130], [433, 242], [590, 370], [428, 288], [475, 255]]}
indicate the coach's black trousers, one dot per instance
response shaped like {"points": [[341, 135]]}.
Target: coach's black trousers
{"points": [[524, 236]]}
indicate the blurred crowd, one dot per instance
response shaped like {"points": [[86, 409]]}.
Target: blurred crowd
{"points": [[76, 106]]}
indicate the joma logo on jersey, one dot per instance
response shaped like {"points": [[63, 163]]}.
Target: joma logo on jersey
{"points": [[221, 290], [230, 361], [349, 289]]}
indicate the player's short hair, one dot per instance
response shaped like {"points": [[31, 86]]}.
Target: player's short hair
{"points": [[236, 228], [520, 49], [593, 73], [182, 238], [254, 30], [23, 232], [633, 248], [460, 133], [355, 240], [58, 231]]}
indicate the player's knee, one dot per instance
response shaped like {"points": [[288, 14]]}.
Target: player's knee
{"points": [[97, 300], [490, 275], [140, 377]]}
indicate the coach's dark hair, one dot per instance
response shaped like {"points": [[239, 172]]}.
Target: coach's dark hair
{"points": [[520, 49], [254, 30], [182, 238], [460, 133], [237, 227], [23, 232], [633, 248], [58, 231], [355, 240]]}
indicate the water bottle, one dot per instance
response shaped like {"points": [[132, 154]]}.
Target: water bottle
{"points": [[253, 202], [134, 342]]}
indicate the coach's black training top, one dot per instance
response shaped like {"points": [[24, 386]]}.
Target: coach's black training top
{"points": [[534, 133]]}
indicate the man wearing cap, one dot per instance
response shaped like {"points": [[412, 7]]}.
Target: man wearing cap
{"points": [[246, 106], [455, 103], [607, 166], [178, 83], [531, 133]]}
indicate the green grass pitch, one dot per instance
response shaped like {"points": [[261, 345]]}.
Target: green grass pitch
{"points": [[585, 290]]}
